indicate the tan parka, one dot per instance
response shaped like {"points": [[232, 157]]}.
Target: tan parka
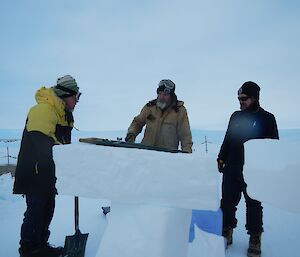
{"points": [[164, 128]]}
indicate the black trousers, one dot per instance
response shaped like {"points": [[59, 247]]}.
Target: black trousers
{"points": [[37, 218], [233, 185]]}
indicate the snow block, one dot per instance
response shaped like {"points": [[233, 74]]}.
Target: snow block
{"points": [[136, 176], [144, 230], [206, 245], [273, 164]]}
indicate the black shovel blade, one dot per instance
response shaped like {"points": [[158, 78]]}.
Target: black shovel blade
{"points": [[75, 245]]}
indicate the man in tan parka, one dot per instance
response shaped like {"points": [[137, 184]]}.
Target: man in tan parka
{"points": [[166, 121]]}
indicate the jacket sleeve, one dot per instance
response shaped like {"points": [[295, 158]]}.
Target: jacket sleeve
{"points": [[225, 145], [42, 118], [138, 122], [273, 128], [41, 124], [42, 146], [63, 132], [184, 131]]}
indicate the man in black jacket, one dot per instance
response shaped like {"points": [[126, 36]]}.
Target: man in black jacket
{"points": [[251, 122], [49, 122]]}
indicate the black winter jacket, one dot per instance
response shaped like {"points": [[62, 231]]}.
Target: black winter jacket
{"points": [[243, 126]]}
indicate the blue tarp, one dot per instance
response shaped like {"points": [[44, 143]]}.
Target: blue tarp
{"points": [[208, 221]]}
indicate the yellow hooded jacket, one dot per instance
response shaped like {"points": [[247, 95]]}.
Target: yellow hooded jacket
{"points": [[47, 114], [47, 123]]}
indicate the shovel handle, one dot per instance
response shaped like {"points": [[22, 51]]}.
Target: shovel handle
{"points": [[76, 213]]}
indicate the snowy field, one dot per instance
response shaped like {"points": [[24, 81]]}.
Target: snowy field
{"points": [[278, 190]]}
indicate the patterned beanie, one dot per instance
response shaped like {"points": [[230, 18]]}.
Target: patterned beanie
{"points": [[66, 86]]}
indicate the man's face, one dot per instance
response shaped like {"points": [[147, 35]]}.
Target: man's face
{"points": [[245, 101], [70, 102], [164, 98]]}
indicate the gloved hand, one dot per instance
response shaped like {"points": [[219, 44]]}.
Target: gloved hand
{"points": [[130, 137], [221, 165]]}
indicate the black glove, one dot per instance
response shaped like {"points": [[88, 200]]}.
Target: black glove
{"points": [[130, 137], [221, 165]]}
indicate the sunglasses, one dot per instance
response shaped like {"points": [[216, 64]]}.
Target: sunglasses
{"points": [[77, 96], [243, 98]]}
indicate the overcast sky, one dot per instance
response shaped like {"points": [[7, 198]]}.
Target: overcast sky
{"points": [[118, 51]]}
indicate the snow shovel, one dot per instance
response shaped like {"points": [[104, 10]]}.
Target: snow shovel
{"points": [[75, 245]]}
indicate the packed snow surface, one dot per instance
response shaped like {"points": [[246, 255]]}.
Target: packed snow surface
{"points": [[271, 172]]}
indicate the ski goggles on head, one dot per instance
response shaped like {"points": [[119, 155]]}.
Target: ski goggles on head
{"points": [[166, 86]]}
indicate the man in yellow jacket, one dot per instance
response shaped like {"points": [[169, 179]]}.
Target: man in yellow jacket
{"points": [[166, 121], [49, 122]]}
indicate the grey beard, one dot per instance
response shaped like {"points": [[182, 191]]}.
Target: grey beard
{"points": [[161, 105]]}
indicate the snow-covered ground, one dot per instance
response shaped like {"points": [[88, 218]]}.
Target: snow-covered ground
{"points": [[280, 238], [91, 220], [281, 223]]}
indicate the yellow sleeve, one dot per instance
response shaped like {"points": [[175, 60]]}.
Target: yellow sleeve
{"points": [[42, 118], [139, 121], [185, 133]]}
